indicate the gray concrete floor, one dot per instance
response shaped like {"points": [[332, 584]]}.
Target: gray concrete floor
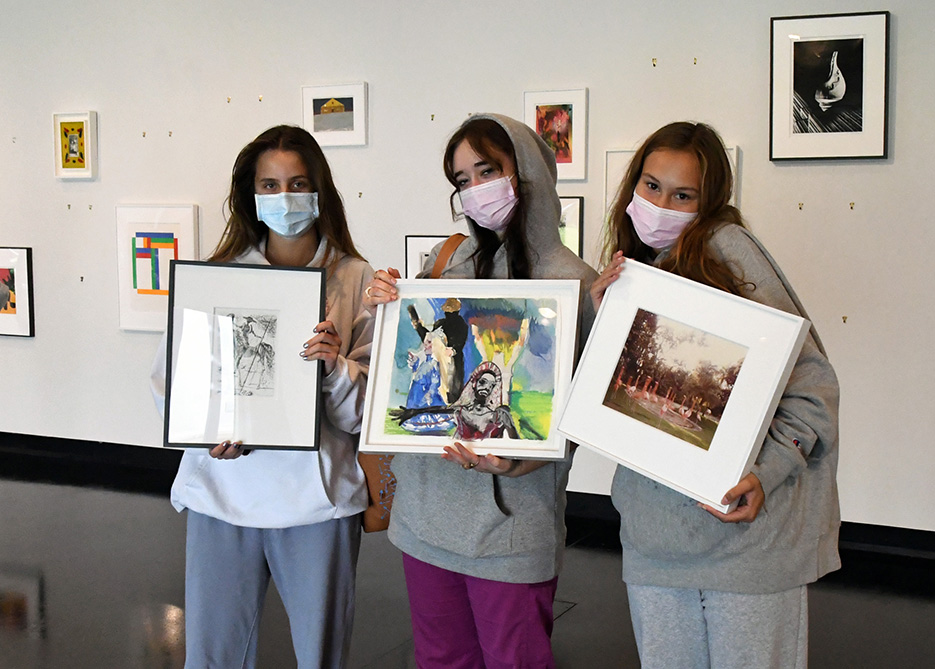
{"points": [[103, 576]]}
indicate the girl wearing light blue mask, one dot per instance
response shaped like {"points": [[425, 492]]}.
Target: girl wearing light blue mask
{"points": [[707, 588], [294, 515]]}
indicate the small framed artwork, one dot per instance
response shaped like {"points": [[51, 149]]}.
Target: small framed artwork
{"points": [[616, 162], [486, 363], [418, 249], [561, 119], [22, 602], [149, 237], [679, 381], [233, 369], [571, 227], [829, 86], [336, 115], [17, 318], [75, 145]]}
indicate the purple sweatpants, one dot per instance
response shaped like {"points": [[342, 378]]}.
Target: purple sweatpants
{"points": [[464, 622]]}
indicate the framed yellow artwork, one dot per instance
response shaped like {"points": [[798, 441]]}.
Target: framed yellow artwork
{"points": [[76, 145]]}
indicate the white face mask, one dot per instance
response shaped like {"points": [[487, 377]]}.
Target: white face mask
{"points": [[656, 227], [490, 205], [287, 214]]}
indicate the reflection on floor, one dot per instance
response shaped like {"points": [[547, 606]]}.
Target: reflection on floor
{"points": [[93, 578]]}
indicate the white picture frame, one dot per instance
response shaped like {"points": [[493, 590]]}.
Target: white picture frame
{"points": [[560, 118], [233, 369], [326, 116], [571, 226], [17, 309], [701, 437], [148, 238], [418, 249], [75, 146], [524, 328]]}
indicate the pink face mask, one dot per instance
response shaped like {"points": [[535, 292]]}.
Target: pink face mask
{"points": [[490, 205], [656, 227]]}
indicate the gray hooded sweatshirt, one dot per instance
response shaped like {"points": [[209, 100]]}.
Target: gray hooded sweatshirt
{"points": [[496, 527]]}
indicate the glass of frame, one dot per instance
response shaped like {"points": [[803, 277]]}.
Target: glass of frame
{"points": [[75, 145], [336, 115], [486, 363], [828, 95], [561, 119], [17, 317], [418, 249], [233, 365], [149, 237], [571, 226], [679, 381]]}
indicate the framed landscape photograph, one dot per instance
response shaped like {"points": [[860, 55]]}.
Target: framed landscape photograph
{"points": [[829, 86], [679, 381], [75, 145], [571, 226], [17, 316], [149, 237], [418, 249], [486, 363], [233, 370], [561, 119], [336, 115]]}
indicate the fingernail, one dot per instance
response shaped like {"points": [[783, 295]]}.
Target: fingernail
{"points": [[304, 345]]}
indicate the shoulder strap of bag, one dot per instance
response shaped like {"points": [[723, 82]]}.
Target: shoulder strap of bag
{"points": [[448, 248]]}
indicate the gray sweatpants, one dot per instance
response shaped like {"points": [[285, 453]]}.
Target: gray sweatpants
{"points": [[227, 571], [704, 629]]}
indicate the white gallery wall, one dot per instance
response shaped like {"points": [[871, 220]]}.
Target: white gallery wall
{"points": [[180, 87]]}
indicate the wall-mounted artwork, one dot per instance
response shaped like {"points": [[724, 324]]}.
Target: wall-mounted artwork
{"points": [[75, 145], [616, 162], [336, 115], [233, 366], [679, 381], [22, 602], [17, 317], [829, 86], [418, 249], [571, 227], [561, 119], [149, 237], [486, 363]]}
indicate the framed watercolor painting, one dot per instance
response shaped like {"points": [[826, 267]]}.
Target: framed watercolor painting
{"points": [[17, 316], [571, 226], [561, 119], [418, 249], [679, 381], [336, 115], [829, 86], [486, 363], [149, 237], [75, 145], [232, 364]]}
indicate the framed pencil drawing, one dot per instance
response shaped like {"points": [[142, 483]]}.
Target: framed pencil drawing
{"points": [[571, 226], [149, 237], [486, 363], [829, 86], [679, 381], [233, 369], [336, 115], [560, 118], [17, 315], [418, 249], [75, 145]]}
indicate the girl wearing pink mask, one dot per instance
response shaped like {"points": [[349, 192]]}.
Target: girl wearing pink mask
{"points": [[707, 588], [482, 537]]}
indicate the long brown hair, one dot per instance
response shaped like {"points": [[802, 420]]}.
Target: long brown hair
{"points": [[689, 257], [488, 138], [244, 231]]}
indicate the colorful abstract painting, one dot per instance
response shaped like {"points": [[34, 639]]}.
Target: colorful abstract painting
{"points": [[7, 291], [151, 253], [72, 142], [554, 125]]}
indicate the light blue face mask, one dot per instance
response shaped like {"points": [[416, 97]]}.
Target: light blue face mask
{"points": [[289, 215]]}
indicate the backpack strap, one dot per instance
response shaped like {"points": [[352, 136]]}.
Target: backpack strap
{"points": [[444, 255]]}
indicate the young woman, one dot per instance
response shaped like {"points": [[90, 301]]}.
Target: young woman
{"points": [[708, 588], [482, 537], [294, 515]]}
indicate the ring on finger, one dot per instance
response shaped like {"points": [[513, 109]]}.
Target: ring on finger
{"points": [[367, 291]]}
